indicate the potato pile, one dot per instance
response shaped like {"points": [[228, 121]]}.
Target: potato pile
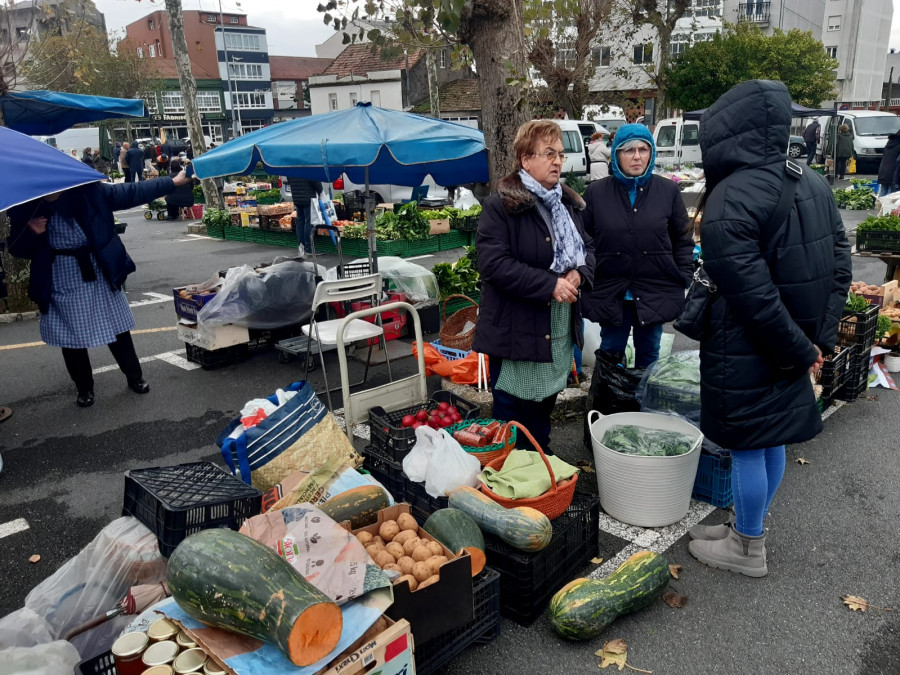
{"points": [[861, 287], [398, 547]]}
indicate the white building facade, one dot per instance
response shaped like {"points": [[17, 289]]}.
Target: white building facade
{"points": [[857, 33], [382, 89]]}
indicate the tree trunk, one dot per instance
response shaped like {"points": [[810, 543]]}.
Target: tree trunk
{"points": [[433, 97], [494, 31], [189, 96]]}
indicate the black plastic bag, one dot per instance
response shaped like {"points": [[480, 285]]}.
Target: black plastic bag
{"points": [[613, 388]]}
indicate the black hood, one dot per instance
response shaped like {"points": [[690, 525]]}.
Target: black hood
{"points": [[748, 126]]}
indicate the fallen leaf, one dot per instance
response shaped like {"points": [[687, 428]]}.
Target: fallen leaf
{"points": [[858, 604], [802, 461], [617, 646], [596, 561], [585, 466], [674, 599], [615, 653], [35, 558], [675, 570]]}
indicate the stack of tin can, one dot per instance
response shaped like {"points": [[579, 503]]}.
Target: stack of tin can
{"points": [[163, 650]]}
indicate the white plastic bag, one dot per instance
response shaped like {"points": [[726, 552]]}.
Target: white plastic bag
{"points": [[51, 658], [439, 461], [315, 213], [464, 199]]}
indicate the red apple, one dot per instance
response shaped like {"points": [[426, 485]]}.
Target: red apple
{"points": [[408, 420], [446, 421], [443, 405], [417, 424], [434, 423], [455, 417], [452, 410], [422, 415]]}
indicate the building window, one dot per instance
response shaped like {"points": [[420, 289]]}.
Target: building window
{"points": [[831, 51], [22, 34], [707, 8], [233, 19], [602, 57], [242, 42], [209, 101], [678, 44], [252, 125], [245, 71], [211, 18], [152, 51], [443, 58], [151, 24], [249, 99], [158, 49], [353, 99], [150, 102], [375, 97], [643, 54], [332, 102], [140, 52], [834, 23], [172, 102], [565, 55]]}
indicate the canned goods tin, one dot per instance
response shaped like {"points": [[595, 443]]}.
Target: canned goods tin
{"points": [[162, 629], [127, 652], [190, 661], [159, 670], [185, 641], [160, 653], [212, 668]]}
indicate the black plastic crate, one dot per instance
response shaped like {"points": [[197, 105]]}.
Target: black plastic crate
{"points": [[484, 628], [858, 376], [395, 440], [858, 328], [878, 241], [422, 504], [217, 358], [529, 580], [388, 473], [102, 664], [177, 501], [835, 373]]}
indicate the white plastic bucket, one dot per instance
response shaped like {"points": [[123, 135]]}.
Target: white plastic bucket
{"points": [[644, 491]]}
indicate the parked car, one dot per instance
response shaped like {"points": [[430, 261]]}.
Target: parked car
{"points": [[573, 145], [381, 193], [797, 148]]}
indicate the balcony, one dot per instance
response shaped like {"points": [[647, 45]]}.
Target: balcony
{"points": [[754, 12]]}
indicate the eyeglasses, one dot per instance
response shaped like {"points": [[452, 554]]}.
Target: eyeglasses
{"points": [[551, 155], [638, 150]]}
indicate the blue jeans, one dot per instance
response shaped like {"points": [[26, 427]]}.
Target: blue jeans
{"points": [[613, 339], [304, 225], [886, 189], [533, 415], [810, 153], [755, 477], [136, 175]]}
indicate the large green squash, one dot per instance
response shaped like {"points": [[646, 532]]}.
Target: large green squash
{"points": [[458, 532], [583, 608], [523, 528], [360, 506], [228, 580]]}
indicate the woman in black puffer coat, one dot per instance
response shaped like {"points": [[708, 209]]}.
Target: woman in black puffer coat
{"points": [[781, 292]]}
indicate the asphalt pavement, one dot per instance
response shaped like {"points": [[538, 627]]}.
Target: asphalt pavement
{"points": [[833, 528]]}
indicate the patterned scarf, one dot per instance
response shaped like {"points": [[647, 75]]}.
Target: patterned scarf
{"points": [[568, 247]]}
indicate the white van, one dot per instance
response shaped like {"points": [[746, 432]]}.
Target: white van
{"points": [[870, 130], [573, 145], [677, 142]]}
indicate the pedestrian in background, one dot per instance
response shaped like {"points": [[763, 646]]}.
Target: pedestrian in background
{"points": [[811, 137], [643, 249], [183, 196], [598, 152], [78, 267], [534, 259], [887, 182], [87, 157], [843, 150], [123, 161], [781, 289], [303, 191], [135, 159]]}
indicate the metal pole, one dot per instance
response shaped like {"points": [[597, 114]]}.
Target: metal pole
{"points": [[890, 83], [227, 68], [370, 227]]}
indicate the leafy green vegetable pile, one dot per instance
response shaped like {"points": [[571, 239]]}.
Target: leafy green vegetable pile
{"points": [[855, 199], [884, 325], [404, 222], [460, 277], [274, 193], [633, 440], [679, 371], [458, 215], [889, 223], [855, 303]]}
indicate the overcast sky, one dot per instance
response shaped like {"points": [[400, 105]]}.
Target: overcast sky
{"points": [[294, 27]]}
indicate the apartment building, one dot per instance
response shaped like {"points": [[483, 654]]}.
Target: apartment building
{"points": [[857, 33]]}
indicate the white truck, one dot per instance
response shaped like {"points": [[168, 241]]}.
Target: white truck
{"points": [[74, 139], [870, 130]]}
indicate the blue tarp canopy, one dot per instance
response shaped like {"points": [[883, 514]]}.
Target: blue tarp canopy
{"points": [[396, 147], [34, 169], [797, 110], [42, 113]]}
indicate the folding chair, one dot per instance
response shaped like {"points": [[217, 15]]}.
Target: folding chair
{"points": [[349, 328]]}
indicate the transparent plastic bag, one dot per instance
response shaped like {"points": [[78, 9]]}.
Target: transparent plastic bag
{"points": [[465, 199], [418, 283], [24, 628], [672, 385], [52, 658], [275, 296]]}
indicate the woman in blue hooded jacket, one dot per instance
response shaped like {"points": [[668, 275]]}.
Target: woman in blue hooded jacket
{"points": [[642, 245]]}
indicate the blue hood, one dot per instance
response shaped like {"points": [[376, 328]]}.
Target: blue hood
{"points": [[631, 132]]}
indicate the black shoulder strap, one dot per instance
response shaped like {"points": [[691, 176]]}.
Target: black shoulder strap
{"points": [[792, 174]]}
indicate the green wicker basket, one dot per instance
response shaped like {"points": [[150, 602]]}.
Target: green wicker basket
{"points": [[488, 453]]}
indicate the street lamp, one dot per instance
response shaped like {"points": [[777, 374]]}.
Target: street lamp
{"points": [[234, 104], [227, 70]]}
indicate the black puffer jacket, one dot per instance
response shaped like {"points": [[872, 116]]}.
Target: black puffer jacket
{"points": [[646, 247], [514, 257], [782, 286], [888, 166]]}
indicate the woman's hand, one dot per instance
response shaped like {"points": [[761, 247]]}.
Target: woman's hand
{"points": [[38, 225], [573, 277], [181, 179], [565, 290], [820, 361]]}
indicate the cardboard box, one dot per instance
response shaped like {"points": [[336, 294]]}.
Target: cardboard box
{"points": [[275, 209], [249, 219], [440, 226], [188, 307], [887, 295], [389, 653], [441, 607], [211, 338]]}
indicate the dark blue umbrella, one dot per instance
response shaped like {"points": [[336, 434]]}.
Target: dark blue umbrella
{"points": [[50, 112], [33, 169]]}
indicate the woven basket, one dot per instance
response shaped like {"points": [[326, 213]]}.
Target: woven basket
{"points": [[552, 503], [488, 453], [452, 334]]}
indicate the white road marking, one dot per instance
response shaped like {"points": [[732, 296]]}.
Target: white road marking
{"points": [[833, 409], [420, 257], [153, 299], [174, 358], [13, 527], [193, 237]]}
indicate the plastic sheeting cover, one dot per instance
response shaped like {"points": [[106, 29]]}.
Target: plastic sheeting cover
{"points": [[419, 284]]}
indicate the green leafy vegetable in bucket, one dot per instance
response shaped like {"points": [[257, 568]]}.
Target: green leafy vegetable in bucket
{"points": [[630, 439]]}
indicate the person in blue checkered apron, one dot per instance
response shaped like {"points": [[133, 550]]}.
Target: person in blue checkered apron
{"points": [[78, 268]]}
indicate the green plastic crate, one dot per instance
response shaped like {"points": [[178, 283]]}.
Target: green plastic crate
{"points": [[288, 239], [394, 248], [421, 247], [233, 233], [323, 244], [216, 231], [453, 239]]}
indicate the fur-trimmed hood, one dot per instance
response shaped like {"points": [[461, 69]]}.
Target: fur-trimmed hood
{"points": [[516, 198]]}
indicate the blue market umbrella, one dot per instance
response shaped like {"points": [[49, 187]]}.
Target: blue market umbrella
{"points": [[34, 169], [369, 144], [50, 112]]}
